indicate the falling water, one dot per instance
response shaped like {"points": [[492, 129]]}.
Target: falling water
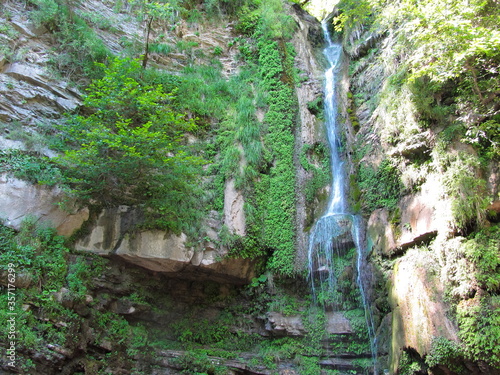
{"points": [[338, 231]]}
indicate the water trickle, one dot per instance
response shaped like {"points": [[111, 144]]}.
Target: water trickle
{"points": [[338, 233]]}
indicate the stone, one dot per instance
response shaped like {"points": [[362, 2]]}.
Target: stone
{"points": [[155, 250], [114, 233], [311, 129], [234, 214], [3, 61], [493, 212], [380, 232], [337, 323], [9, 144], [421, 218], [23, 28], [279, 325], [19, 200]]}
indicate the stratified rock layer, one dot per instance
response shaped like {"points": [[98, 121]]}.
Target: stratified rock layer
{"points": [[114, 233]]}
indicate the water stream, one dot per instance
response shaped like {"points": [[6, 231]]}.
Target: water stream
{"points": [[338, 233]]}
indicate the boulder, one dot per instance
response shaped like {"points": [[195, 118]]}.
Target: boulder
{"points": [[278, 324], [337, 323]]}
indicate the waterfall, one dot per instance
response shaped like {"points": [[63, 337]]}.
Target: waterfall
{"points": [[338, 233]]}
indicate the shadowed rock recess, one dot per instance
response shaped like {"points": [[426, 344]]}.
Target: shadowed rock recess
{"points": [[201, 187]]}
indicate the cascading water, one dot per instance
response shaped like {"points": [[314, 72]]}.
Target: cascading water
{"points": [[337, 233]]}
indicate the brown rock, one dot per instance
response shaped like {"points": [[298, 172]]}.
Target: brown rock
{"points": [[418, 311]]}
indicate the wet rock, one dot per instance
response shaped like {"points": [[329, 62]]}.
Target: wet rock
{"points": [[418, 223], [337, 323], [416, 147], [494, 212]]}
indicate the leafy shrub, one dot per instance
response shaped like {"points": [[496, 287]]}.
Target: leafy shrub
{"points": [[483, 250], [466, 190], [198, 362], [445, 352], [408, 365], [130, 149], [381, 187], [480, 330]]}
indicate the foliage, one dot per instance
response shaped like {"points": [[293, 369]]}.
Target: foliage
{"points": [[447, 53], [29, 166], [465, 189], [483, 250], [112, 327], [38, 257], [38, 251], [380, 187], [214, 332], [130, 150], [199, 363], [257, 157], [273, 351], [278, 203], [309, 365], [314, 320], [408, 365], [445, 352], [353, 13], [315, 158], [151, 11], [480, 329], [79, 47]]}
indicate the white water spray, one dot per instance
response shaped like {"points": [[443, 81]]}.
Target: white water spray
{"points": [[337, 231]]}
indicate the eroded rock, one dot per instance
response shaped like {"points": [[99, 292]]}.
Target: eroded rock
{"points": [[279, 325], [418, 311], [419, 218], [20, 199], [234, 214], [114, 233]]}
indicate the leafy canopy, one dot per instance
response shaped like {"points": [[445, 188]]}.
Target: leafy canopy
{"points": [[130, 148]]}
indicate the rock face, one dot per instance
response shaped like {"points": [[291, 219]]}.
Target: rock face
{"points": [[234, 214], [307, 43], [20, 200], [418, 313], [113, 234], [420, 218], [28, 92]]}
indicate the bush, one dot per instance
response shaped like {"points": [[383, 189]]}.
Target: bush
{"points": [[447, 353], [380, 187], [130, 149]]}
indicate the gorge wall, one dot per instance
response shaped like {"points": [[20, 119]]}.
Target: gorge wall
{"points": [[224, 290], [426, 186]]}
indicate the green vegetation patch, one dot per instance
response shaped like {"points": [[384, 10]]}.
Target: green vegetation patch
{"points": [[380, 187]]}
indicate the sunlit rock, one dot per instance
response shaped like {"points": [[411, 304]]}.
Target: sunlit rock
{"points": [[20, 200]]}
